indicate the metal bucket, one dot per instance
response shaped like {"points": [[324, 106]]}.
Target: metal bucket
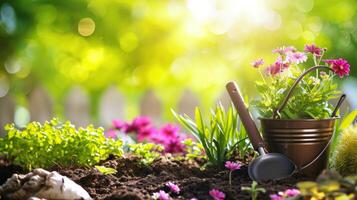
{"points": [[304, 141]]}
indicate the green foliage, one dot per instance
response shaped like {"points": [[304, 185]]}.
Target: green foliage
{"points": [[148, 152], [106, 170], [254, 190], [345, 158], [193, 149], [329, 185], [220, 137], [54, 143], [309, 99]]}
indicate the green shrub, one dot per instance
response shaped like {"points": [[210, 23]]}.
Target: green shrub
{"points": [[54, 143], [221, 136], [345, 159]]}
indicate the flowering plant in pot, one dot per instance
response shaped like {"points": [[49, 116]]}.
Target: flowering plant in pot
{"points": [[296, 116]]}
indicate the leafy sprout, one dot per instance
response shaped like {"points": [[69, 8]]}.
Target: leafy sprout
{"points": [[220, 137], [148, 152], [54, 143], [254, 190], [105, 170]]}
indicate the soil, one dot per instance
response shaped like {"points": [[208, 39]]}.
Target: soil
{"points": [[134, 181]]}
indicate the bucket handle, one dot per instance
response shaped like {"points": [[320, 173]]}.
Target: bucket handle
{"points": [[340, 101], [276, 113]]}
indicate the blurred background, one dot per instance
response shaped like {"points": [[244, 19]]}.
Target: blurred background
{"points": [[91, 61]]}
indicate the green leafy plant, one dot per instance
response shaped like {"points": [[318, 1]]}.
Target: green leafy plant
{"points": [[105, 170], [310, 97], [193, 150], [54, 143], [221, 136], [148, 152], [254, 190]]}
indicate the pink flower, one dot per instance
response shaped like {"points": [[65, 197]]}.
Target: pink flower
{"points": [[217, 195], [232, 165], [317, 51], [174, 145], [275, 197], [161, 195], [120, 125], [339, 66], [170, 130], [111, 133], [257, 63], [284, 50], [173, 187], [291, 192], [145, 133], [138, 123], [297, 57]]}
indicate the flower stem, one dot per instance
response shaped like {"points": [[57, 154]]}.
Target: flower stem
{"points": [[230, 178]]}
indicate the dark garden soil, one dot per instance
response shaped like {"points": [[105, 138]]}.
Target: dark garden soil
{"points": [[134, 181]]}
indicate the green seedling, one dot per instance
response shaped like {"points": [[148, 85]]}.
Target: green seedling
{"points": [[254, 190], [106, 170], [148, 152]]}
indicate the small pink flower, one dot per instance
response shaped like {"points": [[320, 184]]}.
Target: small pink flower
{"points": [[257, 63], [232, 165], [145, 133], [339, 66], [174, 145], [284, 50], [138, 123], [275, 197], [111, 133], [317, 51], [173, 187], [291, 192], [120, 125], [170, 130], [217, 195], [297, 57], [161, 195]]}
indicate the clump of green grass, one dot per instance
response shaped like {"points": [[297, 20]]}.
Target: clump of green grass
{"points": [[345, 159], [56, 143]]}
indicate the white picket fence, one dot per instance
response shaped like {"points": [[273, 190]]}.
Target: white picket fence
{"points": [[111, 106]]}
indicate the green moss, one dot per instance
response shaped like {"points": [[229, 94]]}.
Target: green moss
{"points": [[345, 159]]}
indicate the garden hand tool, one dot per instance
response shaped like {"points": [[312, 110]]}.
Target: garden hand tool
{"points": [[267, 166]]}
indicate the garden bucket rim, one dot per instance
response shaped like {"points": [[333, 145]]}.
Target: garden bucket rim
{"points": [[297, 120]]}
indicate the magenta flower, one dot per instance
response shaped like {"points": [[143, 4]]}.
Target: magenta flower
{"points": [[111, 133], [317, 51], [297, 57], [170, 130], [145, 133], [339, 66], [173, 187], [232, 165], [217, 195], [284, 50], [291, 192], [120, 125], [257, 63], [138, 123], [275, 197], [161, 195], [174, 145]]}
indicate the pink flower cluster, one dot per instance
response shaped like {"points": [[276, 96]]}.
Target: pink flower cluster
{"points": [[286, 194], [289, 55], [144, 131]]}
